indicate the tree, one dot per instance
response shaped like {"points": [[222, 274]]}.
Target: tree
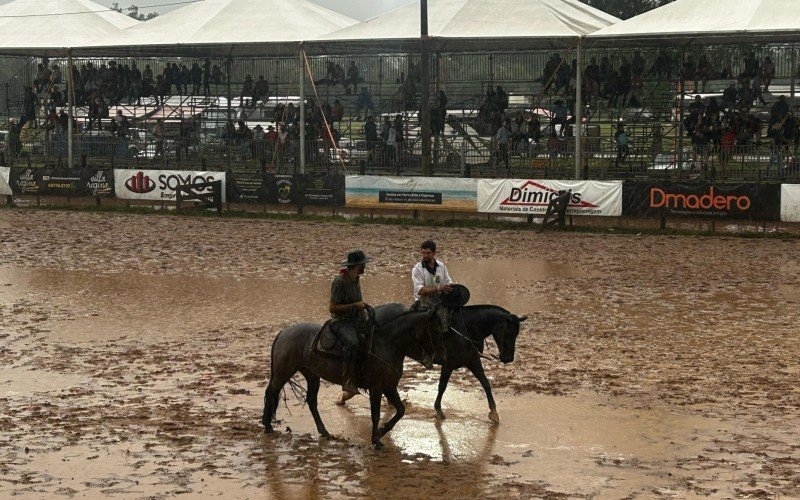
{"points": [[625, 9], [133, 11]]}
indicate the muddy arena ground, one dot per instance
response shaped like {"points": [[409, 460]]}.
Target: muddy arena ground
{"points": [[134, 354]]}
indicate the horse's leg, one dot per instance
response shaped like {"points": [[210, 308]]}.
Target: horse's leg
{"points": [[476, 367], [394, 398], [375, 410], [312, 381], [444, 378], [272, 396]]}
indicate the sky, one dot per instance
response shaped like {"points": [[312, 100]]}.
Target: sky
{"points": [[357, 9]]}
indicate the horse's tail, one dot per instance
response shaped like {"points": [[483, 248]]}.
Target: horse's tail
{"points": [[271, 364]]}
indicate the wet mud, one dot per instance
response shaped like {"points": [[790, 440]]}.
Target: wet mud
{"points": [[134, 354]]}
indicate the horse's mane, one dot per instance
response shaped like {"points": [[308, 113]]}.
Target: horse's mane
{"points": [[407, 312], [487, 307]]}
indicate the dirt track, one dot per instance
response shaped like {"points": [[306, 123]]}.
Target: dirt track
{"points": [[134, 356]]}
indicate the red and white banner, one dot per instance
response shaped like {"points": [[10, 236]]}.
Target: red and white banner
{"points": [[5, 187], [160, 184], [531, 197]]}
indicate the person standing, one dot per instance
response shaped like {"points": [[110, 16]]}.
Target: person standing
{"points": [[346, 306]]}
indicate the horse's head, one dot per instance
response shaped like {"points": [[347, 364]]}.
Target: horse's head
{"points": [[505, 336]]}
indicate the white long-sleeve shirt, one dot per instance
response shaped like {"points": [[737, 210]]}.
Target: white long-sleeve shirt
{"points": [[422, 277]]}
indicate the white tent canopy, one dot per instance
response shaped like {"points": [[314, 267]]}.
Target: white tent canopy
{"points": [[226, 28], [472, 24], [49, 27], [687, 21]]}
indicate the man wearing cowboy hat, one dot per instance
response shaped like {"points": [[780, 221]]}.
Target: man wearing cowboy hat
{"points": [[346, 305]]}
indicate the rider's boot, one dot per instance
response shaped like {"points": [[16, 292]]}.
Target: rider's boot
{"points": [[349, 380]]}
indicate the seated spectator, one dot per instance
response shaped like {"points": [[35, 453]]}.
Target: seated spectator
{"points": [[353, 78], [247, 90], [337, 112], [729, 96], [261, 89]]}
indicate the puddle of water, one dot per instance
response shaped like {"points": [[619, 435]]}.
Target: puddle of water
{"points": [[578, 445]]}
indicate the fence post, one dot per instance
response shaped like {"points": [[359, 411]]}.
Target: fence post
{"points": [[793, 71], [464, 171]]}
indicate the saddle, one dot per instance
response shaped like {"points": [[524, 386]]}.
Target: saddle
{"points": [[326, 341]]}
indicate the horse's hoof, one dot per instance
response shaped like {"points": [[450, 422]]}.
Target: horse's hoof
{"points": [[378, 444], [268, 430], [325, 434], [440, 415], [494, 417]]}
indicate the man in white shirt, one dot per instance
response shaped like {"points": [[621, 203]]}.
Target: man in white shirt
{"points": [[430, 278]]}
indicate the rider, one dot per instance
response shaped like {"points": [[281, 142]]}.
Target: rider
{"points": [[430, 278], [346, 305]]}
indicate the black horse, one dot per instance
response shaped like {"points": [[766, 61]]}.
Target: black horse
{"points": [[471, 326], [379, 372]]}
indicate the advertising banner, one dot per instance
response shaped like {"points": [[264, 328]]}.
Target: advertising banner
{"points": [[250, 187], [531, 197], [411, 193], [790, 202], [322, 190], [159, 185], [5, 177], [730, 201], [62, 181]]}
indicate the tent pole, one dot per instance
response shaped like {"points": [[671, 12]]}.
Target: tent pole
{"points": [[424, 96], [70, 107], [578, 113], [302, 77]]}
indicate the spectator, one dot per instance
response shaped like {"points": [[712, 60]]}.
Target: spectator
{"points": [[364, 102], [248, 88], [560, 112], [767, 72], [337, 112], [261, 91], [353, 78], [196, 77], [371, 135], [502, 139], [207, 77], [730, 96], [439, 113], [621, 140], [160, 135]]}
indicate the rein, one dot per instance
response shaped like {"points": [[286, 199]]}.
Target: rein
{"points": [[375, 323], [472, 342]]}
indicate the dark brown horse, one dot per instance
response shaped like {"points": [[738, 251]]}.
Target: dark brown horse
{"points": [[379, 371], [471, 325]]}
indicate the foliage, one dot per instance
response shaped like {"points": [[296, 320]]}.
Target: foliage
{"points": [[133, 11], [625, 9]]}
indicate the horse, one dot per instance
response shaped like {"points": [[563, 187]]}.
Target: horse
{"points": [[378, 372], [471, 325]]}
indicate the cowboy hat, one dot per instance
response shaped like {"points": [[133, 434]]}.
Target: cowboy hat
{"points": [[458, 297], [356, 258]]}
